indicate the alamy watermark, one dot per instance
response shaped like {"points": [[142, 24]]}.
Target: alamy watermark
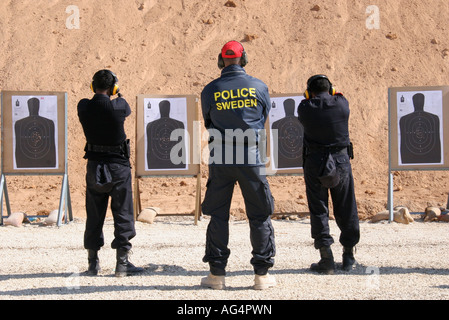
{"points": [[72, 282], [373, 20], [73, 20], [373, 279], [231, 147]]}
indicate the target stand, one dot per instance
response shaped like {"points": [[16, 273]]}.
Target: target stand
{"points": [[138, 203], [34, 142], [158, 118], [64, 209], [416, 132]]}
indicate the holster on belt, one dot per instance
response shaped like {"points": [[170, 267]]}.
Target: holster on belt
{"points": [[351, 150]]}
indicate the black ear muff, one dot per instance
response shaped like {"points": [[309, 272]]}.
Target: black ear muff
{"points": [[244, 59], [220, 62]]}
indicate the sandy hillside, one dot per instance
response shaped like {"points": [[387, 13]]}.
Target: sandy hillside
{"points": [[171, 46]]}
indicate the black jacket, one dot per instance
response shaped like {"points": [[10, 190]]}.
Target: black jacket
{"points": [[103, 125], [325, 121]]}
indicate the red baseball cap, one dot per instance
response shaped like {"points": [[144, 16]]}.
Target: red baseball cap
{"points": [[234, 46]]}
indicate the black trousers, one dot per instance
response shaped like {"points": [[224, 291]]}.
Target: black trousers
{"points": [[343, 200], [259, 204], [104, 181]]}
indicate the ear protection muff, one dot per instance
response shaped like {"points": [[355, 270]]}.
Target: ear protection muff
{"points": [[115, 89], [332, 90], [220, 63], [243, 60]]}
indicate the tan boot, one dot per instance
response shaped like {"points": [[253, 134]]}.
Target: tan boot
{"points": [[214, 282], [264, 282]]}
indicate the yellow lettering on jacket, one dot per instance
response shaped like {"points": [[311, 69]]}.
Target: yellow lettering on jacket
{"points": [[235, 94], [236, 104], [239, 98]]}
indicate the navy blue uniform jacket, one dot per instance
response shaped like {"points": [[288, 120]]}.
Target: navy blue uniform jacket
{"points": [[235, 108]]}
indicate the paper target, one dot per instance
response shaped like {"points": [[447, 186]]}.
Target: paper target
{"points": [[37, 139], [290, 138], [286, 133], [159, 133], [420, 139], [420, 134], [168, 135], [165, 117], [35, 135]]}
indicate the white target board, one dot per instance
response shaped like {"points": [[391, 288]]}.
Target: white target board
{"points": [[285, 135], [33, 139], [165, 135], [417, 132]]}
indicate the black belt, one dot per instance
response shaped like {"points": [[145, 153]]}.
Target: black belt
{"points": [[97, 148], [314, 149]]}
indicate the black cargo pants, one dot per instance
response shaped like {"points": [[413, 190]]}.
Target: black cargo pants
{"points": [[343, 200], [259, 205], [104, 181]]}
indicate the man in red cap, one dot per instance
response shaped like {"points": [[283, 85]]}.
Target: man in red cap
{"points": [[235, 108]]}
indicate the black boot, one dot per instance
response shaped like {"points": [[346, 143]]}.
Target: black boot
{"points": [[348, 259], [326, 265], [94, 262], [123, 267]]}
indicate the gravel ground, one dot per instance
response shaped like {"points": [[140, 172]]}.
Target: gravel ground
{"points": [[396, 262]]}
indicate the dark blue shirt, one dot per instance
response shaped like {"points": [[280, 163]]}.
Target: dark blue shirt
{"points": [[325, 120], [103, 124], [235, 108]]}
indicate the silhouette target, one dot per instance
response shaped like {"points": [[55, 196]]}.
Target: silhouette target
{"points": [[420, 135], [290, 135], [35, 139], [158, 139]]}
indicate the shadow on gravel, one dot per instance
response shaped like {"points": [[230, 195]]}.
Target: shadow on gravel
{"points": [[71, 281]]}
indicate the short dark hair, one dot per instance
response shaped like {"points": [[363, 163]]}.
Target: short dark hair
{"points": [[103, 79], [320, 85], [233, 60]]}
